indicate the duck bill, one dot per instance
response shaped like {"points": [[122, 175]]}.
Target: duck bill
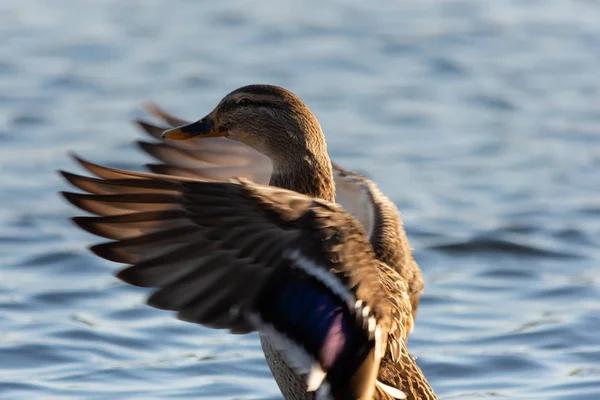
{"points": [[204, 128]]}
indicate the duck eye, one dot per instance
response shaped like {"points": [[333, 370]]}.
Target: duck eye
{"points": [[244, 102]]}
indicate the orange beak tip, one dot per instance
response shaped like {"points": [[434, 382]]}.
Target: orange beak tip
{"points": [[175, 134]]}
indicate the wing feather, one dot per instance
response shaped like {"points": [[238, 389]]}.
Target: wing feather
{"points": [[208, 238]]}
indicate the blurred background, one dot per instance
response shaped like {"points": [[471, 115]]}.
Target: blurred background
{"points": [[481, 120]]}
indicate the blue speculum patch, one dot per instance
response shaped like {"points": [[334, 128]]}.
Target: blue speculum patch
{"points": [[309, 313]]}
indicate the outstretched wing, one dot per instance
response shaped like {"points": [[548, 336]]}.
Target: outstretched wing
{"points": [[243, 256], [223, 159]]}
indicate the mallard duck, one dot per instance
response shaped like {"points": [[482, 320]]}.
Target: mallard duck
{"points": [[331, 288]]}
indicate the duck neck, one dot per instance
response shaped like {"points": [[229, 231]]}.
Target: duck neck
{"points": [[308, 174]]}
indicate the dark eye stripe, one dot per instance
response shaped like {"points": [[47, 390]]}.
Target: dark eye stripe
{"points": [[262, 103], [230, 105]]}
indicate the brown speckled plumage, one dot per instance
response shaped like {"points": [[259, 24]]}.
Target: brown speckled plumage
{"points": [[276, 139], [389, 238]]}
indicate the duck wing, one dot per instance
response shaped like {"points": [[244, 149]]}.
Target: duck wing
{"points": [[379, 215], [244, 257], [222, 159]]}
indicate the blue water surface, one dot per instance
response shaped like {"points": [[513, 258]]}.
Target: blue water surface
{"points": [[481, 120]]}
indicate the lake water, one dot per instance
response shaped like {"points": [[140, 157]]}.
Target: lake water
{"points": [[481, 120]]}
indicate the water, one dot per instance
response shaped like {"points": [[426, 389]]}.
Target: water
{"points": [[480, 119]]}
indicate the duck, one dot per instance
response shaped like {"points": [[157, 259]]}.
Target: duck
{"points": [[247, 225], [220, 158]]}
